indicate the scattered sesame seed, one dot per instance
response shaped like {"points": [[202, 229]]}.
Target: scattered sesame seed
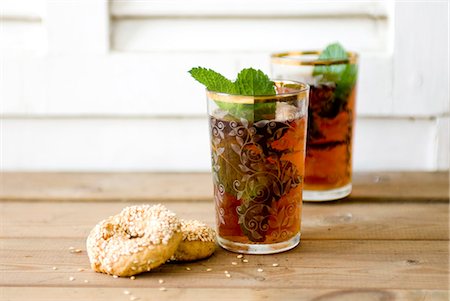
{"points": [[260, 270], [162, 289], [228, 275], [86, 281], [275, 264], [126, 292], [226, 272], [133, 268], [208, 270], [132, 298], [245, 260], [132, 277], [80, 270], [188, 269], [54, 268], [160, 281], [115, 276], [77, 251], [234, 263], [71, 278], [240, 256], [71, 248]]}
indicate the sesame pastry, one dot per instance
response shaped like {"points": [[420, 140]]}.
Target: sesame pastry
{"points": [[199, 241], [138, 239]]}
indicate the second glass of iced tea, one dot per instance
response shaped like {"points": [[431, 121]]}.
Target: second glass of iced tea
{"points": [[258, 151], [328, 163]]}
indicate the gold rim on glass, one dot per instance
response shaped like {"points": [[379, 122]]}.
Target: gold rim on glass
{"points": [[300, 92], [286, 58]]}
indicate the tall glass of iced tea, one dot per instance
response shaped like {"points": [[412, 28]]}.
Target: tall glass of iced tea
{"points": [[328, 163], [258, 151]]}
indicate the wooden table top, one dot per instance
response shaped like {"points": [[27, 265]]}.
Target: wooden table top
{"points": [[388, 241]]}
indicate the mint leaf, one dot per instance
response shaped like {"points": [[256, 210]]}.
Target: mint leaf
{"points": [[212, 80], [253, 82], [333, 51], [249, 82], [332, 72]]}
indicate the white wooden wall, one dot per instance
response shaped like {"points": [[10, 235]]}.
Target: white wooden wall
{"points": [[103, 85]]}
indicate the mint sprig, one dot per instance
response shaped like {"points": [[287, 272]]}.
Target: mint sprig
{"points": [[343, 75], [249, 82]]}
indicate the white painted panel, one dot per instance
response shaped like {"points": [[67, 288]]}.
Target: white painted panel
{"points": [[150, 84], [80, 26], [421, 62], [111, 144], [248, 34], [395, 144], [121, 8], [22, 9], [443, 141], [22, 38], [183, 144]]}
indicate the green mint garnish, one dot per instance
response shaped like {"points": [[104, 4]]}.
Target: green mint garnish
{"points": [[343, 75], [253, 82], [213, 81], [249, 82]]}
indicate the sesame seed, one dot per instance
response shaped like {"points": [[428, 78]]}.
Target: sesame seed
{"points": [[86, 281], [133, 268], [160, 281], [71, 248], [132, 298], [208, 270], [162, 289], [126, 292], [260, 270], [275, 264], [132, 277], [54, 268], [188, 269], [240, 256], [71, 278], [77, 251], [228, 275], [115, 276], [194, 230], [80, 270], [226, 272], [234, 263], [245, 260]]}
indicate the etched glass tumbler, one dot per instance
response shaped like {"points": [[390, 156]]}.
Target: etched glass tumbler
{"points": [[328, 162], [258, 151]]}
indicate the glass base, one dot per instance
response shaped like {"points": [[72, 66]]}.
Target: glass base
{"points": [[238, 247], [327, 195]]}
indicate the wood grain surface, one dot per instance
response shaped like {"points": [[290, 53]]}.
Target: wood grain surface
{"points": [[198, 186], [388, 241]]}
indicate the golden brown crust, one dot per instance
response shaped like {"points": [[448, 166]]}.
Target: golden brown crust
{"points": [[137, 240], [199, 241]]}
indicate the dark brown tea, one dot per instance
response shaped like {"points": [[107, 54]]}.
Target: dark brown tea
{"points": [[258, 178], [329, 141]]}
